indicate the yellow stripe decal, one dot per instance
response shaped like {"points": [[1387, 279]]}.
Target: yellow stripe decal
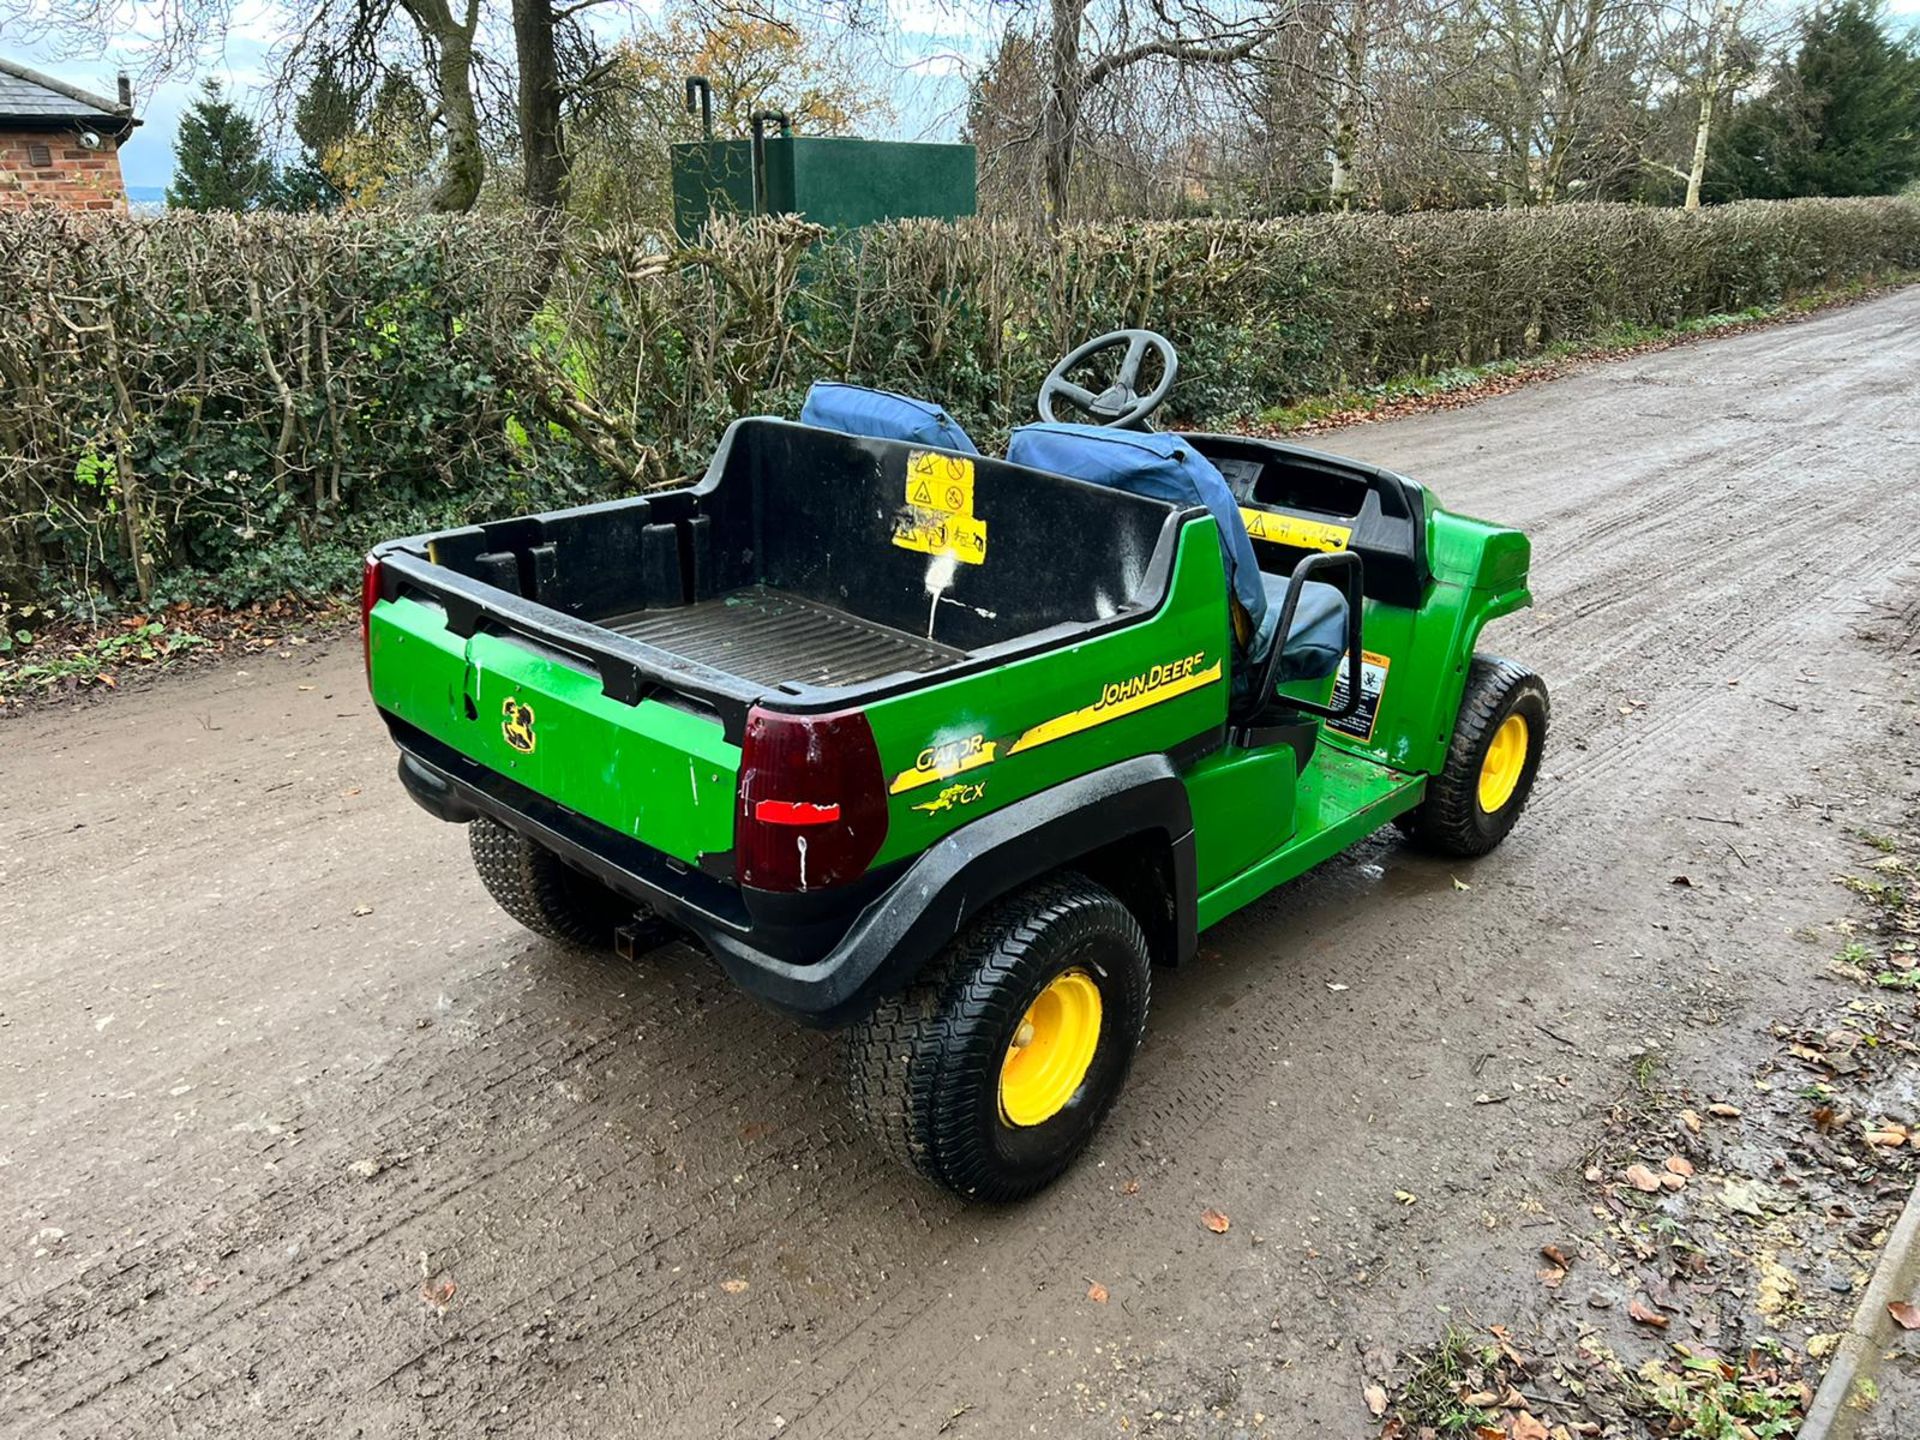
{"points": [[943, 763], [1301, 534], [1123, 698]]}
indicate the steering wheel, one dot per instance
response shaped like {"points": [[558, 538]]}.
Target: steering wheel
{"points": [[1120, 406]]}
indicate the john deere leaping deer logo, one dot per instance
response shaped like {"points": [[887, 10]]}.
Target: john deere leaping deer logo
{"points": [[517, 727]]}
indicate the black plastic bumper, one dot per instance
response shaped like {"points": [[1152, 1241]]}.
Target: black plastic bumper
{"points": [[824, 957]]}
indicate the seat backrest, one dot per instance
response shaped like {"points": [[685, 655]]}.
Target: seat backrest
{"points": [[882, 415], [1162, 466]]}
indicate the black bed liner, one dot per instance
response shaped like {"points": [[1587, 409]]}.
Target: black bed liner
{"points": [[771, 637], [780, 576]]}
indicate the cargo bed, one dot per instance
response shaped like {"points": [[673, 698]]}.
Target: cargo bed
{"points": [[792, 572], [772, 637]]}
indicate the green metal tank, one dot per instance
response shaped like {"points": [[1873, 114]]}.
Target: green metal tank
{"points": [[834, 181]]}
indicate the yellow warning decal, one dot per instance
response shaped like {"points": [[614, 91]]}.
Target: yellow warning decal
{"points": [[943, 761], [1278, 529], [1125, 697], [940, 482], [962, 536], [939, 518]]}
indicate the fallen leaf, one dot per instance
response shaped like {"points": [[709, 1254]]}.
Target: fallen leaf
{"points": [[1886, 1133], [1097, 1293], [1639, 1310], [1406, 1197], [734, 1286], [1724, 1111], [1824, 1119], [1459, 884], [1556, 1255], [439, 1296], [1552, 1276], [1376, 1400], [1214, 1220], [1674, 1182], [1526, 1427], [1679, 1165], [1641, 1178], [1132, 1187], [1691, 1119], [363, 910], [1905, 1314]]}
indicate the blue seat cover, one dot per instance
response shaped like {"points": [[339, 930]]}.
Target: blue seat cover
{"points": [[1157, 465], [1317, 638], [882, 415]]}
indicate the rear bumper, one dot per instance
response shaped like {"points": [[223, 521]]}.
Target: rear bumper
{"points": [[826, 956]]}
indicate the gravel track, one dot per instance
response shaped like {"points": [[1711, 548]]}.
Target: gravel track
{"points": [[248, 1134]]}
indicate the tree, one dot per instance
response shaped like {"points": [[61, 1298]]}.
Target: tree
{"points": [[543, 152], [1090, 47], [1004, 104], [636, 105], [219, 161], [1702, 53], [325, 117], [1842, 118]]}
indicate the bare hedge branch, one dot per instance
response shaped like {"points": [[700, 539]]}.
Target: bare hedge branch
{"points": [[228, 407]]}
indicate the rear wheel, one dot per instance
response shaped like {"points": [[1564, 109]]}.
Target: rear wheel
{"points": [[992, 1071], [541, 891], [1491, 764]]}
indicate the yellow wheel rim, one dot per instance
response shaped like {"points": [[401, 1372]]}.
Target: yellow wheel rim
{"points": [[1047, 1060], [1506, 758]]}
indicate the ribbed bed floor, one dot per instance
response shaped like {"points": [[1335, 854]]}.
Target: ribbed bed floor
{"points": [[770, 638]]}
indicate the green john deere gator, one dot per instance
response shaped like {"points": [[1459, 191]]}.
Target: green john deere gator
{"points": [[949, 750]]}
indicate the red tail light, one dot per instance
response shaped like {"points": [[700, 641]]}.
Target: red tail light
{"points": [[369, 597], [813, 800]]}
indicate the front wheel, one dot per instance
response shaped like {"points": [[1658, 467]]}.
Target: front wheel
{"points": [[991, 1072], [1491, 763]]}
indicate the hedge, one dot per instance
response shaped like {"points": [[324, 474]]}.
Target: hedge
{"points": [[226, 408]]}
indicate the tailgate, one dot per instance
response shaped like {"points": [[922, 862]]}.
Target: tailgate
{"points": [[658, 770]]}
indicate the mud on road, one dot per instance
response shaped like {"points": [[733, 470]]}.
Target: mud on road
{"points": [[299, 1135]]}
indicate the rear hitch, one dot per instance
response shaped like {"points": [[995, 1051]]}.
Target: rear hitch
{"points": [[642, 935]]}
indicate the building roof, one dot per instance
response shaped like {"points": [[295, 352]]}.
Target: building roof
{"points": [[31, 100]]}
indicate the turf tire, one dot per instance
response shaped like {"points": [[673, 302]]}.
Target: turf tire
{"points": [[923, 1069], [1450, 821], [541, 891]]}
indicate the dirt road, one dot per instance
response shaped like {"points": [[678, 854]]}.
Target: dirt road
{"points": [[298, 1135]]}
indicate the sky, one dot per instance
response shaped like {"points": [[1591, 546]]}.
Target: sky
{"points": [[931, 47]]}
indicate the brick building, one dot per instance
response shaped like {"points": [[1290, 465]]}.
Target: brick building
{"points": [[59, 144]]}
